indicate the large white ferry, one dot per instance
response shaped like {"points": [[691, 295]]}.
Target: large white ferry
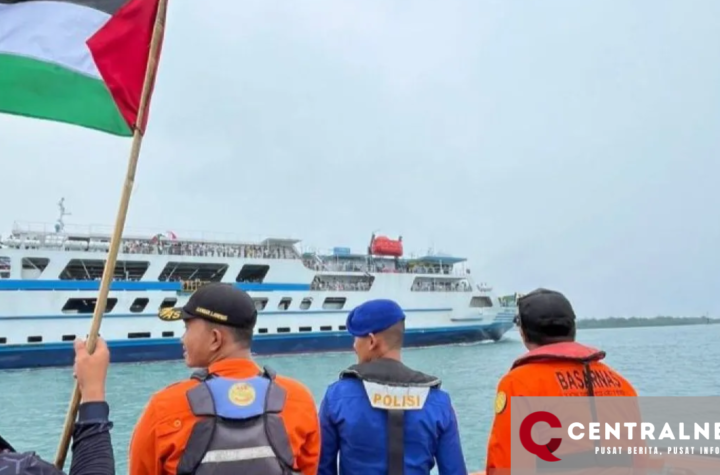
{"points": [[50, 275]]}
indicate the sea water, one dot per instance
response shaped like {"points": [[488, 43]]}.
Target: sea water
{"points": [[659, 361]]}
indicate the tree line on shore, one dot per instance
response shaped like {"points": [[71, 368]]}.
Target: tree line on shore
{"points": [[659, 321]]}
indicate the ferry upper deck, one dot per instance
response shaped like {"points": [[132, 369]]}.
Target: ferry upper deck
{"points": [[184, 256]]}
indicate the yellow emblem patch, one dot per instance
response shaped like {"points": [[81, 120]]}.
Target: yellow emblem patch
{"points": [[169, 314], [500, 402], [241, 394]]}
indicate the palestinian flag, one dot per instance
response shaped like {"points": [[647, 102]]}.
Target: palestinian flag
{"points": [[81, 62]]}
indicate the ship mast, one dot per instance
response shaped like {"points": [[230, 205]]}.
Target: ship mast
{"points": [[60, 224]]}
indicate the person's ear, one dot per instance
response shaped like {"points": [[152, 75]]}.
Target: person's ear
{"points": [[216, 339]]}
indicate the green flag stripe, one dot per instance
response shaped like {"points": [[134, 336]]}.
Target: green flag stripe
{"points": [[43, 90]]}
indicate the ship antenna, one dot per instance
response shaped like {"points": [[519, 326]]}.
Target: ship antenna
{"points": [[60, 225]]}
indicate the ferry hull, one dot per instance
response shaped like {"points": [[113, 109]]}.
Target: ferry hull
{"points": [[156, 349]]}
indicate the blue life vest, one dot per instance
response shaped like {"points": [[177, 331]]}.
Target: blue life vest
{"points": [[394, 388], [239, 430]]}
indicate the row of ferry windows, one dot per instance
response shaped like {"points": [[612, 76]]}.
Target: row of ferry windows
{"points": [[169, 334], [87, 305], [92, 269]]}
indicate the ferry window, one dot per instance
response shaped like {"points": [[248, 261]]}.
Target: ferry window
{"points": [[86, 305], [168, 334], [139, 304], [420, 284], [342, 328], [252, 273], [262, 330], [139, 335], [284, 303], [92, 269], [334, 303], [5, 267], [197, 271], [68, 338], [3, 340], [305, 329], [481, 302], [168, 302], [283, 330], [305, 304], [326, 328], [260, 303], [32, 267], [34, 339]]}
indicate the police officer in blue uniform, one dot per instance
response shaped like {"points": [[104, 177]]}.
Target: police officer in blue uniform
{"points": [[382, 417]]}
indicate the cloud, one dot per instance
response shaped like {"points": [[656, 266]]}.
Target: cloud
{"points": [[556, 144]]}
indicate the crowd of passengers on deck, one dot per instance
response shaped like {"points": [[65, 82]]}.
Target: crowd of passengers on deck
{"points": [[68, 275], [457, 286], [180, 248], [185, 248], [338, 284], [374, 266]]}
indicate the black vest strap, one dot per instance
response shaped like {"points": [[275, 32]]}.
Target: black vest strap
{"points": [[269, 373], [200, 437], [396, 442], [201, 375]]}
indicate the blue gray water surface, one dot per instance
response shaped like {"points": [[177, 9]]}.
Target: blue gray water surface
{"points": [[661, 361]]}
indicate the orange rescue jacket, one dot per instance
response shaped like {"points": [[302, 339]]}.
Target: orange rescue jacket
{"points": [[165, 426], [550, 370]]}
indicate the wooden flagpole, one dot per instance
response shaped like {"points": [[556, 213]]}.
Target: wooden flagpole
{"points": [[157, 35]]}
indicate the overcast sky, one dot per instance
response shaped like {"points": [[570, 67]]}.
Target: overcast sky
{"points": [[565, 144]]}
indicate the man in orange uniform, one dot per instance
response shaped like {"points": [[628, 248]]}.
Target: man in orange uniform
{"points": [[554, 366], [209, 423]]}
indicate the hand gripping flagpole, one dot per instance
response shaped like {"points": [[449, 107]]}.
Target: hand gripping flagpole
{"points": [[109, 270]]}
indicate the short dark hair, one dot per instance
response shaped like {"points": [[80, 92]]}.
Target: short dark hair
{"points": [[539, 336], [241, 336], [394, 335]]}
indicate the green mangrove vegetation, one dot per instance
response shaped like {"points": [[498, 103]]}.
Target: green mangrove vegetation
{"points": [[659, 321]]}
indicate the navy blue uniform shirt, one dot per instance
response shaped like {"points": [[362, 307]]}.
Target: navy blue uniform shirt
{"points": [[352, 427]]}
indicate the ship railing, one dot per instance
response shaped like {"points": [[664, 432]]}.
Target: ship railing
{"points": [[105, 232], [317, 263], [441, 288]]}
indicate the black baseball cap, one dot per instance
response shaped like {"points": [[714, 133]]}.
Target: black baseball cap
{"points": [[216, 302], [546, 312]]}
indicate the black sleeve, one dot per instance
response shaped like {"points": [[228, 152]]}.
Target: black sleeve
{"points": [[92, 452]]}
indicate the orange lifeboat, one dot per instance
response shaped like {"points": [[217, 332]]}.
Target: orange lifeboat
{"points": [[384, 246]]}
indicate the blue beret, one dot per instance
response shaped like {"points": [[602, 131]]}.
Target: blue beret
{"points": [[373, 316]]}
